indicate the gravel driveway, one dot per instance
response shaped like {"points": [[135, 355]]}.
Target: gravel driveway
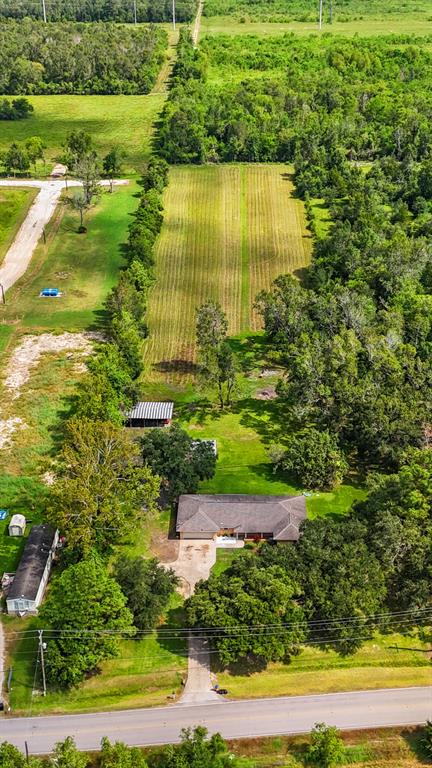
{"points": [[19, 254]]}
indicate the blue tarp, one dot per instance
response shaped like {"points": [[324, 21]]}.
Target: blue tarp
{"points": [[50, 292], [3, 514]]}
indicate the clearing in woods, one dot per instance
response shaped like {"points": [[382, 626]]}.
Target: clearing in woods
{"points": [[228, 231]]}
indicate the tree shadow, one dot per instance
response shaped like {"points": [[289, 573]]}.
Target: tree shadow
{"points": [[176, 366], [253, 351], [245, 667], [266, 417], [199, 411], [414, 737]]}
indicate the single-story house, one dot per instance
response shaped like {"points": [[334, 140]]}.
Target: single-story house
{"points": [[17, 525], [203, 516], [27, 589], [148, 414]]}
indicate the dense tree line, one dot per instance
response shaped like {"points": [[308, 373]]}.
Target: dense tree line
{"points": [[99, 10], [37, 58], [307, 10], [322, 99]]}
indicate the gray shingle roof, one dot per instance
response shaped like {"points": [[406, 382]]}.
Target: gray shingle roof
{"points": [[148, 410], [279, 515], [32, 564]]}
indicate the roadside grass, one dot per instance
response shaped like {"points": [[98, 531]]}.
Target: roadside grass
{"points": [[373, 25], [228, 231], [375, 665], [84, 267], [14, 206], [379, 748], [147, 671], [123, 121]]}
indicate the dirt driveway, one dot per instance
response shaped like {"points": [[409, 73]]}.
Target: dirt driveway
{"points": [[194, 562]]}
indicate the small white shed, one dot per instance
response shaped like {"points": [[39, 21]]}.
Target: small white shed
{"points": [[17, 525]]}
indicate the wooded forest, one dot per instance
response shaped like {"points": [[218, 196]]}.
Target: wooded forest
{"points": [[99, 10], [37, 58]]}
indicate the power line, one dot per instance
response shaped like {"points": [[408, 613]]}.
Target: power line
{"points": [[203, 633]]}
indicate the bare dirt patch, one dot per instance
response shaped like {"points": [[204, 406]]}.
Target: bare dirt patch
{"points": [[7, 428], [26, 355]]}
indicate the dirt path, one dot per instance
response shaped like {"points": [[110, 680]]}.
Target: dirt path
{"points": [[162, 83], [19, 254], [197, 24]]}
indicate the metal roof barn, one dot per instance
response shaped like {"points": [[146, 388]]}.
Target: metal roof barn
{"points": [[150, 414]]}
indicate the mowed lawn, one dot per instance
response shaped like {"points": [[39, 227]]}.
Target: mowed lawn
{"points": [[123, 121], [14, 205], [83, 266], [228, 231], [378, 664]]}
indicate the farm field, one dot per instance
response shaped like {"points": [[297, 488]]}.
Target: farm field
{"points": [[123, 121], [420, 24], [375, 665], [228, 231], [14, 205]]}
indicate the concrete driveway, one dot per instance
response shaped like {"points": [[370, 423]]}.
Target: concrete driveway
{"points": [[195, 560]]}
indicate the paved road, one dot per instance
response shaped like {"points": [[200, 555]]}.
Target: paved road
{"points": [[260, 717], [19, 254]]}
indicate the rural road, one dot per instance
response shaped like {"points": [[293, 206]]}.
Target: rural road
{"points": [[19, 254], [236, 719]]}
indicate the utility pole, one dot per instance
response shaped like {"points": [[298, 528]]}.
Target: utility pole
{"points": [[44, 11], [135, 12], [174, 14], [42, 647], [320, 13]]}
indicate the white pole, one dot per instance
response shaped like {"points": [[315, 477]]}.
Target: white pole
{"points": [[174, 14], [320, 13], [44, 11], [41, 649], [135, 12]]}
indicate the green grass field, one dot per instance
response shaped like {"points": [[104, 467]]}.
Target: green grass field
{"points": [[84, 267], [228, 232], [375, 665], [123, 121], [416, 24], [14, 205]]}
